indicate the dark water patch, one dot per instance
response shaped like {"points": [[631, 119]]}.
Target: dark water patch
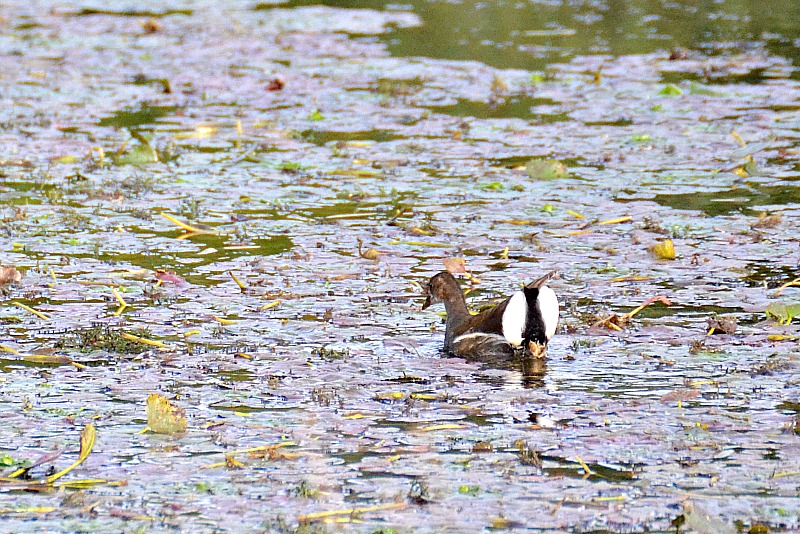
{"points": [[25, 26], [402, 426], [677, 310], [520, 107], [8, 365], [622, 121], [484, 419], [771, 273], [342, 210], [206, 149], [147, 114], [533, 35], [139, 13], [235, 376], [184, 264], [751, 77], [723, 202], [514, 162], [519, 162], [323, 137], [599, 472]]}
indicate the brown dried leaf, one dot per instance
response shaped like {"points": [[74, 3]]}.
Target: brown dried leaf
{"points": [[722, 325], [680, 395], [768, 221], [9, 275], [169, 276], [455, 265]]}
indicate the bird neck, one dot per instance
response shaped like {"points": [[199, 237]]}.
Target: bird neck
{"points": [[457, 314]]}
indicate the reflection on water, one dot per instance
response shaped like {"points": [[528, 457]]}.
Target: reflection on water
{"points": [[526, 372]]}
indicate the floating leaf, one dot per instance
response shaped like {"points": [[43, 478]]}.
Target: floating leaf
{"points": [[784, 313], [671, 90], [315, 116], [163, 417], [66, 160], [469, 490], [699, 89], [546, 169], [140, 155], [547, 208], [492, 186], [664, 250]]}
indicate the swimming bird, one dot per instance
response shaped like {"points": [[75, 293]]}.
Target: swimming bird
{"points": [[525, 321]]}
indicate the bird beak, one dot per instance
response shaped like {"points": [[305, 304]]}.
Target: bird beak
{"points": [[427, 302]]}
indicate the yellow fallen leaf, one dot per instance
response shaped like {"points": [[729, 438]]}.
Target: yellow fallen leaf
{"points": [[369, 254], [232, 463], [238, 282], [27, 308], [358, 173], [617, 220], [585, 467], [738, 139], [391, 396], [270, 305], [781, 337], [664, 250], [350, 511], [28, 510], [163, 417], [443, 426], [88, 437], [153, 343], [517, 222], [119, 298], [188, 227]]}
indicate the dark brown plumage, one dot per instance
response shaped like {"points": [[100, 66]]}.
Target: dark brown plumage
{"points": [[501, 330]]}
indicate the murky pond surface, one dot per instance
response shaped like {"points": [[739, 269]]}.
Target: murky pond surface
{"points": [[281, 137]]}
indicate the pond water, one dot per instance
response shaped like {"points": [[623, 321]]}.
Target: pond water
{"points": [[236, 207]]}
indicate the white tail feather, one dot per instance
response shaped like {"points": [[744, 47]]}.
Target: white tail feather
{"points": [[514, 318], [548, 308]]}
